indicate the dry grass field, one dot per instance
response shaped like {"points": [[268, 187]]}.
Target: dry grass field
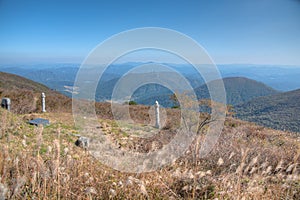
{"points": [[248, 162]]}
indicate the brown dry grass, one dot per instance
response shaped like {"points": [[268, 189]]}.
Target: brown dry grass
{"points": [[248, 162], [27, 101]]}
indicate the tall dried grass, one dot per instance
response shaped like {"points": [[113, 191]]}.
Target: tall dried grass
{"points": [[248, 162]]}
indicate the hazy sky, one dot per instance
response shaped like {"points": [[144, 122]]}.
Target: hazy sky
{"points": [[232, 31]]}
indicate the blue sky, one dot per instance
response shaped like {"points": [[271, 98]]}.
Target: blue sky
{"points": [[232, 31]]}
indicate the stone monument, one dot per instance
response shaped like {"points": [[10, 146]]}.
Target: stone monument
{"points": [[157, 118], [43, 102]]}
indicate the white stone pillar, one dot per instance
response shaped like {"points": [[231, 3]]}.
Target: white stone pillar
{"points": [[43, 102], [8, 104], [157, 118]]}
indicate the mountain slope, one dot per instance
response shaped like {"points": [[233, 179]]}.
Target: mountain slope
{"points": [[280, 111], [11, 82], [238, 90], [26, 95]]}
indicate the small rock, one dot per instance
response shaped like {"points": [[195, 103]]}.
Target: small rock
{"points": [[83, 142]]}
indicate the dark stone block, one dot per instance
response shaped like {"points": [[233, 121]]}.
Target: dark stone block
{"points": [[83, 142], [5, 103], [39, 121]]}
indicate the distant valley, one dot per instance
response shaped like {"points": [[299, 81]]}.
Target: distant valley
{"points": [[264, 95], [56, 76]]}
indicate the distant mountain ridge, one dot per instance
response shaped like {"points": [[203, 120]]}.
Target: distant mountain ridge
{"points": [[279, 111], [238, 90], [56, 76]]}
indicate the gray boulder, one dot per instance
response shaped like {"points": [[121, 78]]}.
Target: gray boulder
{"points": [[83, 142]]}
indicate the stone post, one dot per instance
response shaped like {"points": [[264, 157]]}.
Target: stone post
{"points": [[157, 118], [43, 102], [5, 103]]}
